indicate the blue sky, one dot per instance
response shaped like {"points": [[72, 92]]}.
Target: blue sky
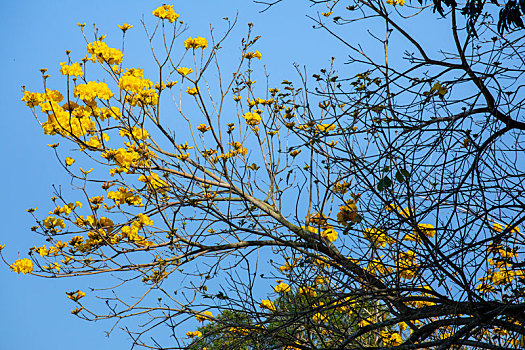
{"points": [[36, 312]]}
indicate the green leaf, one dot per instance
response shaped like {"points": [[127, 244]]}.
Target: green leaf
{"points": [[399, 177], [384, 183], [405, 173]]}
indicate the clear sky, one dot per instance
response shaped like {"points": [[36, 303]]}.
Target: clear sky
{"points": [[35, 312]]}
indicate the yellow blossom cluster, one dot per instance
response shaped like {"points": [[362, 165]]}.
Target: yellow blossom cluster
{"points": [[73, 69], [330, 234], [101, 51], [33, 99], [131, 231], [76, 296], [282, 288], [66, 209], [341, 187], [111, 112], [184, 71], [377, 267], [92, 89], [395, 2], [195, 43], [325, 127], [406, 265], [252, 118], [365, 322], [93, 222], [64, 120], [427, 230], [193, 334], [141, 91], [499, 228], [45, 251], [22, 266], [204, 316], [306, 290], [268, 304], [125, 196], [348, 212], [391, 338], [252, 54], [501, 270], [377, 237], [166, 12], [257, 101], [192, 91], [318, 317], [51, 223], [203, 128], [124, 27], [136, 133], [154, 183], [125, 159]]}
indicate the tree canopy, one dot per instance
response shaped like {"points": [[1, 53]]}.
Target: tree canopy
{"points": [[375, 203]]}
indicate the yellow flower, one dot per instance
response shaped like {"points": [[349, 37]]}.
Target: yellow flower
{"points": [[195, 43], [376, 236], [75, 296], [305, 290], [252, 118], [325, 127], [74, 69], [268, 304], [204, 316], [51, 223], [85, 172], [33, 99], [194, 334], [330, 234], [154, 182], [203, 128], [391, 339], [135, 134], [192, 91], [92, 89], [252, 54], [166, 12], [125, 27], [365, 322], [184, 71], [100, 50], [427, 229], [348, 213], [497, 227], [320, 279], [282, 287], [77, 310], [22, 266], [395, 2], [407, 212], [318, 317], [69, 161]]}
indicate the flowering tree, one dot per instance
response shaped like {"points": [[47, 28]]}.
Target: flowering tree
{"points": [[383, 208]]}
